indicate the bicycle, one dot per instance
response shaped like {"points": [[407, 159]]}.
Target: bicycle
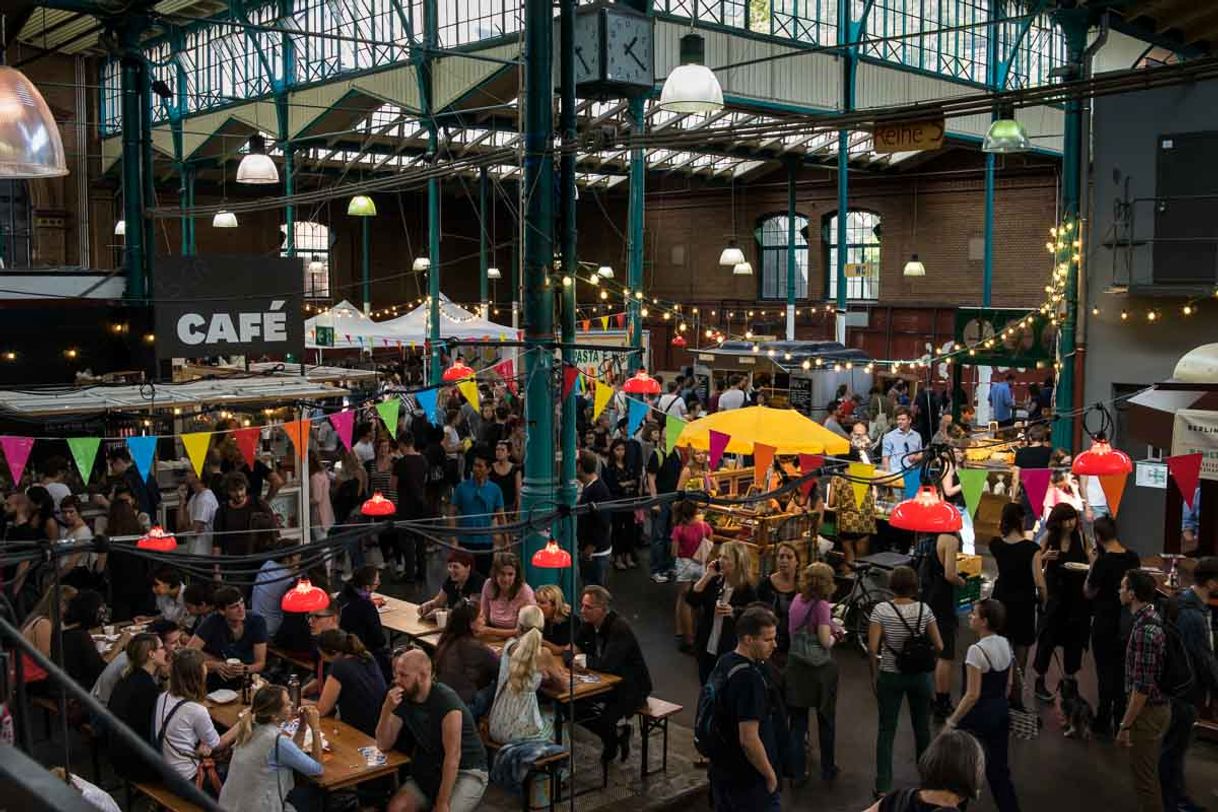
{"points": [[853, 612]]}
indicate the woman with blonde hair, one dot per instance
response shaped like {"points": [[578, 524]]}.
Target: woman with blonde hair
{"points": [[811, 674], [726, 587], [523, 666], [556, 635], [695, 476], [260, 777]]}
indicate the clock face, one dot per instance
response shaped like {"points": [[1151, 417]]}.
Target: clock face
{"points": [[587, 48], [630, 50]]}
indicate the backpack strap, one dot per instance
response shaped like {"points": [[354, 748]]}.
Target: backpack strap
{"points": [[160, 739]]}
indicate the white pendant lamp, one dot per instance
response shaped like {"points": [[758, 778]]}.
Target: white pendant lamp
{"points": [[1006, 135], [914, 267], [257, 167], [316, 266], [732, 255], [421, 264], [362, 206], [692, 87], [743, 269], [605, 272], [224, 219], [30, 143], [493, 273], [120, 228]]}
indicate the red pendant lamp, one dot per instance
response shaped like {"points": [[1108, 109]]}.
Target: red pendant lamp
{"points": [[679, 341], [1102, 460], [157, 540], [551, 557], [926, 513], [378, 506], [457, 372], [641, 384], [304, 597]]}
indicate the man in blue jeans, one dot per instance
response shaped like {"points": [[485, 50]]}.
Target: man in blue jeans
{"points": [[662, 475]]}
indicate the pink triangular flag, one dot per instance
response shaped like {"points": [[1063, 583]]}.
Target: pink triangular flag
{"points": [[1035, 481], [1186, 470], [344, 424], [1114, 489], [17, 453], [807, 464], [763, 460], [718, 444]]}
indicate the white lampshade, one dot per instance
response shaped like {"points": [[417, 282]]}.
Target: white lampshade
{"points": [[692, 87], [605, 271], [30, 143], [743, 269], [224, 219], [732, 255], [257, 167], [493, 273], [120, 228], [421, 264], [316, 266], [914, 267]]}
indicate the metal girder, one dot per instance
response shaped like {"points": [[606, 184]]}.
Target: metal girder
{"points": [[1003, 71]]}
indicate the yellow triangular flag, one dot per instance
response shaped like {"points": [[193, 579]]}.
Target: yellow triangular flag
{"points": [[603, 393], [860, 471], [196, 444], [604, 324], [469, 389]]}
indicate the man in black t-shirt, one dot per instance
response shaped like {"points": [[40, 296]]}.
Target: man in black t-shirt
{"points": [[409, 481], [233, 529], [1110, 622], [663, 471], [744, 774], [1036, 454], [593, 528]]}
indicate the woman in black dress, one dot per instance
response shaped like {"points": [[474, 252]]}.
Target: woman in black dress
{"points": [[1019, 578], [1066, 619], [506, 474], [622, 478]]}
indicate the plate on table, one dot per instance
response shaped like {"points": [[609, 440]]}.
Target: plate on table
{"points": [[1075, 566], [223, 696]]}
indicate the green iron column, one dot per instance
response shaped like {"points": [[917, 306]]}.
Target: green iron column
{"points": [[634, 233], [991, 163], [431, 41], [792, 166], [846, 33], [289, 180], [364, 269], [149, 178], [133, 187], [538, 492], [1074, 24], [484, 284]]}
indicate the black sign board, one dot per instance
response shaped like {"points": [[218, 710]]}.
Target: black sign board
{"points": [[228, 305], [800, 394]]}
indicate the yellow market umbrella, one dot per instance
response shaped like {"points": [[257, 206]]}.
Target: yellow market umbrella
{"points": [[786, 430]]}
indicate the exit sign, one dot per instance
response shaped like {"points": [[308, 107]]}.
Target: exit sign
{"points": [[912, 136]]}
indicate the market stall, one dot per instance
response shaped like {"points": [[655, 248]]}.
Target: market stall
{"points": [[346, 327]]}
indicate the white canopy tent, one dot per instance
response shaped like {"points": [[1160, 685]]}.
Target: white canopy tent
{"points": [[455, 322], [352, 329]]}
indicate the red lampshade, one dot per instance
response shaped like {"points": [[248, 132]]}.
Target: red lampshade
{"points": [[926, 513], [157, 540], [552, 557], [641, 384], [457, 372], [378, 506], [1102, 460], [679, 341], [304, 597]]}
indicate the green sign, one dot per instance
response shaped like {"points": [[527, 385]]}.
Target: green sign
{"points": [[1010, 344], [325, 336]]}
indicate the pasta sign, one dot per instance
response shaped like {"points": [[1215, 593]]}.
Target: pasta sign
{"points": [[228, 305]]}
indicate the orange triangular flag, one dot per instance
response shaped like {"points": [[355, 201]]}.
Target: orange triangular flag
{"points": [[763, 460], [298, 433], [1114, 489]]}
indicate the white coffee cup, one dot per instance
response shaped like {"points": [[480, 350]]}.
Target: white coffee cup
{"points": [[108, 630], [232, 661], [580, 660], [441, 618]]}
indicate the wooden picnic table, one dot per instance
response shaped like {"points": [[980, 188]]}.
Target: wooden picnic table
{"points": [[402, 617], [342, 765]]}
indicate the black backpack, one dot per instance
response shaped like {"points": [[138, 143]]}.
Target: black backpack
{"points": [[917, 653], [709, 738], [1178, 676]]}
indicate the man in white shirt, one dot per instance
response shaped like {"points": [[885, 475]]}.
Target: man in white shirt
{"points": [[197, 507], [902, 446], [733, 398], [363, 447], [672, 403], [53, 472]]}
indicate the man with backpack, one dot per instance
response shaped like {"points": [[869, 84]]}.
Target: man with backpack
{"points": [[1192, 621], [1148, 713], [740, 720]]}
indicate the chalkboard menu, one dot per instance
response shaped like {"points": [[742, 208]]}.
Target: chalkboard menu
{"points": [[702, 384], [800, 394]]}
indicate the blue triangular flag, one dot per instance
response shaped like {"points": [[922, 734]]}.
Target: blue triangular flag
{"points": [[427, 400], [142, 448], [634, 417], [913, 481]]}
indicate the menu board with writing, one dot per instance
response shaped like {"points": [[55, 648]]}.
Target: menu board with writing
{"points": [[800, 395]]}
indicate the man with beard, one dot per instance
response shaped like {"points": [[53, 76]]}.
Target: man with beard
{"points": [[234, 519]]}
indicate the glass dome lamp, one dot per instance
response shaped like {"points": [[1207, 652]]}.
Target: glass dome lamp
{"points": [[257, 167], [732, 255], [914, 267], [493, 273], [30, 143], [421, 264], [316, 266], [224, 219], [1006, 135], [120, 228], [692, 87], [605, 272], [361, 206], [743, 269]]}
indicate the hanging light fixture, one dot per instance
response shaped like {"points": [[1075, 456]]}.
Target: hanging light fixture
{"points": [[120, 228], [257, 167], [361, 206], [224, 219], [1006, 135], [914, 267], [733, 255], [679, 341], [1102, 460], [926, 513], [421, 264], [743, 269], [304, 597], [605, 272], [30, 143], [551, 557], [377, 506], [692, 87], [493, 273], [157, 540], [316, 265], [641, 384]]}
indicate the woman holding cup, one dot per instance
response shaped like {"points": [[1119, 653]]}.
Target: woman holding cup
{"points": [[462, 582], [719, 596]]}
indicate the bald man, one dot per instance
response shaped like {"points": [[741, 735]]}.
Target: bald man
{"points": [[428, 720]]}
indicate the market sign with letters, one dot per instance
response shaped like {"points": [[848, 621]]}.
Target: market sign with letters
{"points": [[1196, 431], [228, 305]]}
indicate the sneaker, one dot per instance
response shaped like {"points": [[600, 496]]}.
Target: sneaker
{"points": [[659, 578], [1041, 691]]}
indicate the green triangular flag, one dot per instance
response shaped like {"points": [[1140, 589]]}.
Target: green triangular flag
{"points": [[672, 430], [972, 482], [388, 410], [84, 453]]}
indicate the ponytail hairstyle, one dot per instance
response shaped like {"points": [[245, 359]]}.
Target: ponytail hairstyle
{"points": [[139, 650], [267, 704], [333, 642], [523, 663]]}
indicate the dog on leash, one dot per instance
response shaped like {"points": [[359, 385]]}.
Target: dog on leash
{"points": [[1077, 714]]}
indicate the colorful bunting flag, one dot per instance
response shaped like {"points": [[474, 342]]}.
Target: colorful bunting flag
{"points": [[142, 449], [388, 410], [621, 320], [469, 389], [344, 426], [247, 440], [585, 325], [507, 370], [763, 460], [604, 322], [807, 464], [1186, 470], [570, 375], [636, 411], [17, 453], [673, 426], [428, 401], [972, 483], [718, 444], [861, 474], [1114, 489], [84, 452], [1035, 481], [298, 433], [196, 443], [601, 399]]}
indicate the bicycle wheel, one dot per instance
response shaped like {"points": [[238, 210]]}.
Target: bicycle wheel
{"points": [[860, 615]]}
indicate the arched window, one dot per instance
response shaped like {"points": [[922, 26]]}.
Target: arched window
{"points": [[772, 234], [15, 224], [862, 255], [313, 246]]}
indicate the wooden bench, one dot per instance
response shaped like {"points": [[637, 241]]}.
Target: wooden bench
{"points": [[547, 766], [654, 715], [163, 798], [288, 657], [50, 707]]}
